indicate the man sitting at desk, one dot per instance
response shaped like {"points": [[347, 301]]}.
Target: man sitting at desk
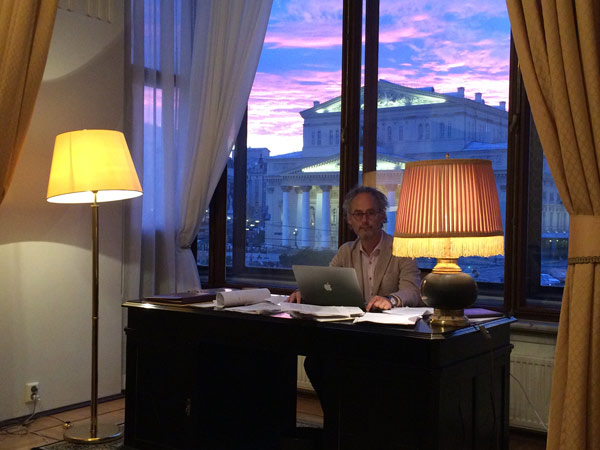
{"points": [[386, 280]]}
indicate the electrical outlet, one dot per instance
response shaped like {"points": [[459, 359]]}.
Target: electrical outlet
{"points": [[32, 389]]}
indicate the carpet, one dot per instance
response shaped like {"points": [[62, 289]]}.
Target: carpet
{"points": [[63, 445], [118, 444]]}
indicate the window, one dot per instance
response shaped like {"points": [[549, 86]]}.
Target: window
{"points": [[444, 87], [534, 287], [458, 96], [284, 175]]}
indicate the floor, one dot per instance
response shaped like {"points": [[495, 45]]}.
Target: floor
{"points": [[48, 429]]}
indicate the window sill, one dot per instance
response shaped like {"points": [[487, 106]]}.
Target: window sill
{"points": [[535, 326]]}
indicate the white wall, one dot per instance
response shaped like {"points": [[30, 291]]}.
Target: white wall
{"points": [[45, 249]]}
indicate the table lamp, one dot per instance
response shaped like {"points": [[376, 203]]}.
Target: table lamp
{"points": [[92, 166], [448, 208]]}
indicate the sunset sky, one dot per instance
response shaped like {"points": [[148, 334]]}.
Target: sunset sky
{"points": [[445, 44]]}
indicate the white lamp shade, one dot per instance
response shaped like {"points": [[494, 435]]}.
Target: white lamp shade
{"points": [[92, 161]]}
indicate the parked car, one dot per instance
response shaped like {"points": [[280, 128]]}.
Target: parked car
{"points": [[549, 280]]}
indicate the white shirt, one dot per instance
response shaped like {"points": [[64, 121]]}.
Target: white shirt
{"points": [[368, 269]]}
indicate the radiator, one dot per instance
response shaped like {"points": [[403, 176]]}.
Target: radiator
{"points": [[535, 375]]}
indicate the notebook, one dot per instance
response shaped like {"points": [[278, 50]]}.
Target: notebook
{"points": [[329, 286]]}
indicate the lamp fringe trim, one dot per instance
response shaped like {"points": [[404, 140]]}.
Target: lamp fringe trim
{"points": [[448, 247]]}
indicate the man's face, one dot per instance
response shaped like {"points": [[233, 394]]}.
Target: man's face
{"points": [[364, 217]]}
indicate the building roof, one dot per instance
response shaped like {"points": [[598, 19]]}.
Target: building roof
{"points": [[391, 95]]}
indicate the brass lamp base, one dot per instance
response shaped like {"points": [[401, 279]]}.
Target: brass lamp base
{"points": [[82, 434], [448, 291], [448, 318]]}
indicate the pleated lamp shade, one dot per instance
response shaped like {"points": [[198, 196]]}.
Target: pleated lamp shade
{"points": [[92, 161], [448, 208]]}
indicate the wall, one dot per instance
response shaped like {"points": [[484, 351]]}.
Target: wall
{"points": [[45, 249]]}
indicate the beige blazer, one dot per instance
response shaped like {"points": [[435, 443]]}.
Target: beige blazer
{"points": [[395, 276]]}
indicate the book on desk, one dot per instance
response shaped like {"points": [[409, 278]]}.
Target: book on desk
{"points": [[186, 298]]}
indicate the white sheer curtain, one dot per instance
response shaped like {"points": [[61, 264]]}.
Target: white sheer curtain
{"points": [[193, 65]]}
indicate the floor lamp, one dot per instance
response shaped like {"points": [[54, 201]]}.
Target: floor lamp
{"points": [[92, 166]]}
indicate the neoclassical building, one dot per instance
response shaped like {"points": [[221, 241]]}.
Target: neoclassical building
{"points": [[302, 188], [292, 199]]}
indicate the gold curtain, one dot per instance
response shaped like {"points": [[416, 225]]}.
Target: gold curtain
{"points": [[25, 31], [558, 43]]}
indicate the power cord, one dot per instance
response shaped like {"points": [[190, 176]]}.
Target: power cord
{"points": [[20, 428], [486, 335], [544, 425]]}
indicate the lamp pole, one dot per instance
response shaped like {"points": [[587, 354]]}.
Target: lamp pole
{"points": [[95, 284], [81, 434]]}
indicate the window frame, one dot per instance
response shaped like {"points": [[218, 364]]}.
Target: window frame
{"points": [[515, 296]]}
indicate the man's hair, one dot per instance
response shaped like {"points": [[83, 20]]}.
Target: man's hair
{"points": [[380, 199]]}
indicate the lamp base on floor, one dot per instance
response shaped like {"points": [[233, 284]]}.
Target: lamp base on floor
{"points": [[81, 434]]}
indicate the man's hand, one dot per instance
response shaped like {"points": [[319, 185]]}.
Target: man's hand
{"points": [[295, 297], [379, 303]]}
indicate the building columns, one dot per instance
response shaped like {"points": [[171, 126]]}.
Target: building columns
{"points": [[325, 216], [305, 215], [285, 216]]}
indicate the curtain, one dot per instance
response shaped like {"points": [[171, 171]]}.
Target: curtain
{"points": [[25, 32], [558, 45], [193, 65]]}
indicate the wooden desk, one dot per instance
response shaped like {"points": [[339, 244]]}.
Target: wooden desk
{"points": [[206, 379]]}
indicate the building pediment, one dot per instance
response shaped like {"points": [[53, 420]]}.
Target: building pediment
{"points": [[332, 164], [389, 95]]}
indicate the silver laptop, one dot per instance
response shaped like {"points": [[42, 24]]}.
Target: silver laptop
{"points": [[329, 286]]}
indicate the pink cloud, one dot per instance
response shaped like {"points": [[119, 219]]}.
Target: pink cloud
{"points": [[303, 40], [276, 101], [306, 24], [396, 35]]}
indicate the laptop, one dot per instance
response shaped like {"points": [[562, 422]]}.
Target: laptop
{"points": [[329, 286]]}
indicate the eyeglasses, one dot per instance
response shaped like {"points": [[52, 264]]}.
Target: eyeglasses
{"points": [[358, 215]]}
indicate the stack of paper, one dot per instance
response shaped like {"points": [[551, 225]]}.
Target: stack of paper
{"points": [[261, 301], [277, 304]]}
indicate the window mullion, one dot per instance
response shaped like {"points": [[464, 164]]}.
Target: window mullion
{"points": [[216, 232], [350, 114], [371, 87], [240, 164]]}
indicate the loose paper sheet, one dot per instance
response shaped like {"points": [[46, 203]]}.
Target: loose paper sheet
{"points": [[305, 310], [395, 316]]}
